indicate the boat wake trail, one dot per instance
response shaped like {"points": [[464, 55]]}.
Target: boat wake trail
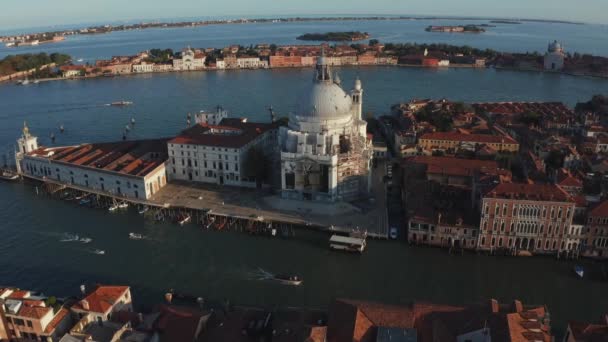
{"points": [[67, 237], [260, 274]]}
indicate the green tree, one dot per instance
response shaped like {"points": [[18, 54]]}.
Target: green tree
{"points": [[374, 42]]}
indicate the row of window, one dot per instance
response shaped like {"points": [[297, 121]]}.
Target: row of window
{"points": [[525, 227], [214, 165], [529, 244], [19, 322], [526, 210], [194, 147]]}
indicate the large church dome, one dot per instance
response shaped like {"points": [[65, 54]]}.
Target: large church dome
{"points": [[324, 101]]}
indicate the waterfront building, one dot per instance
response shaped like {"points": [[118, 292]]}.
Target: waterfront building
{"points": [[452, 141], [211, 118], [68, 71], [325, 151], [555, 56], [220, 64], [104, 301], [189, 60], [134, 169], [354, 320], [251, 63], [25, 315], [143, 67], [530, 217], [596, 234], [216, 153]]}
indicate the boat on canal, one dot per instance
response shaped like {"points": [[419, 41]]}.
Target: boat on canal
{"points": [[347, 244], [292, 280], [135, 236], [8, 175], [143, 210], [121, 103], [117, 206], [99, 252], [580, 271], [183, 219]]}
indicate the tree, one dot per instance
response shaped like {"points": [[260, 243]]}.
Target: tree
{"points": [[257, 166], [374, 42]]}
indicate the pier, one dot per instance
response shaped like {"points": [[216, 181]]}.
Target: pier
{"points": [[248, 210]]}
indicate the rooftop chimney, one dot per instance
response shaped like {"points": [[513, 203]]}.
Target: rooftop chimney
{"points": [[85, 304], [518, 306], [494, 306]]}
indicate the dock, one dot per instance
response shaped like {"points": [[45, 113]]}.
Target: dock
{"points": [[251, 210]]}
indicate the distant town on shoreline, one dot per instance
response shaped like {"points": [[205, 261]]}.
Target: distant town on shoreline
{"points": [[35, 38]]}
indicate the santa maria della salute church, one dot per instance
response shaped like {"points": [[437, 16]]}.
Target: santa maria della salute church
{"points": [[325, 152]]}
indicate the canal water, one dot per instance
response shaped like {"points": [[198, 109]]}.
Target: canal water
{"points": [[529, 36], [226, 264]]}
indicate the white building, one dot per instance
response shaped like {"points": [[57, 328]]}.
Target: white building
{"points": [[216, 153], [133, 169], [251, 63], [190, 60], [554, 58], [220, 64], [143, 67], [325, 152], [211, 118]]}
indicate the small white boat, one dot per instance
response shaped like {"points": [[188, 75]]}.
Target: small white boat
{"points": [[121, 103], [135, 236], [85, 240], [9, 175], [36, 82], [114, 207], [288, 280], [99, 252], [25, 82], [182, 220], [580, 271], [80, 60], [143, 210], [123, 205], [69, 238]]}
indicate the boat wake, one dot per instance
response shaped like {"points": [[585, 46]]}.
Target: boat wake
{"points": [[67, 237]]}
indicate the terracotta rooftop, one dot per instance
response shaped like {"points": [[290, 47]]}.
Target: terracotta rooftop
{"points": [[35, 312], [231, 133], [19, 294], [136, 158], [455, 166], [59, 316], [530, 192], [601, 210], [589, 332], [102, 298], [510, 108], [476, 138]]}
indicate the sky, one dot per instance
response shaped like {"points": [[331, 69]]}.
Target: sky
{"points": [[41, 13]]}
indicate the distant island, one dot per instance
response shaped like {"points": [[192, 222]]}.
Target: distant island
{"points": [[458, 29], [350, 36], [513, 22]]}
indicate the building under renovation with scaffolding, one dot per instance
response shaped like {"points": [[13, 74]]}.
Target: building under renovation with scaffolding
{"points": [[325, 152]]}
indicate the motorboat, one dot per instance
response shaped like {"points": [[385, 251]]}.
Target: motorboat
{"points": [[288, 279], [143, 210], [579, 270], [85, 201], [121, 103], [80, 60], [99, 252], [114, 207], [9, 175], [85, 240], [135, 236], [183, 219], [123, 205]]}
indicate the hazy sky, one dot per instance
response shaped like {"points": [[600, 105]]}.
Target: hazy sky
{"points": [[28, 13]]}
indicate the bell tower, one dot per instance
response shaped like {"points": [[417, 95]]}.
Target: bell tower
{"points": [[26, 144], [357, 95]]}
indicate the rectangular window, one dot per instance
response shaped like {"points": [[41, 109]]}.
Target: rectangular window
{"points": [[29, 324]]}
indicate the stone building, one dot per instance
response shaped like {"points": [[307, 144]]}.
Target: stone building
{"points": [[215, 153], [189, 60], [596, 242], [325, 152], [531, 217], [554, 58]]}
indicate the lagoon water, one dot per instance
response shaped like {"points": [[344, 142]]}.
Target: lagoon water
{"points": [[224, 264]]}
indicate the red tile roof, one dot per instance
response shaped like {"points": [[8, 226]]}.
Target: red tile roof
{"points": [[589, 332], [59, 316], [34, 312], [102, 299], [19, 294], [230, 133], [477, 138], [455, 166], [530, 192], [601, 210]]}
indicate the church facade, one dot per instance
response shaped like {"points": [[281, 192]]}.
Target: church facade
{"points": [[325, 152]]}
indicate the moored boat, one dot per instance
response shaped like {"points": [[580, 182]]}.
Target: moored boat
{"points": [[183, 219], [579, 270], [9, 175], [143, 210], [121, 103], [348, 244]]}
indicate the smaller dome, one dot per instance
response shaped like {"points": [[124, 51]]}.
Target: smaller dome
{"points": [[555, 47]]}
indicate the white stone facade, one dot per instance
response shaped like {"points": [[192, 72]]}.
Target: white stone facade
{"points": [[211, 118], [251, 63], [143, 67], [190, 60], [325, 153]]}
